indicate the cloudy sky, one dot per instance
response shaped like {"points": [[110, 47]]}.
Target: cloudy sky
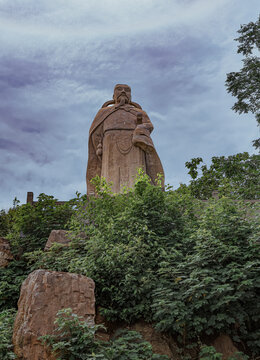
{"points": [[60, 60]]}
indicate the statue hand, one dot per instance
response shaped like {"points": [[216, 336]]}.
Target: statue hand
{"points": [[142, 139]]}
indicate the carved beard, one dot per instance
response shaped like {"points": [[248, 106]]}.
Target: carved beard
{"points": [[123, 100]]}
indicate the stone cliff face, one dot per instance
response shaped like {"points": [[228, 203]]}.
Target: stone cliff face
{"points": [[42, 295]]}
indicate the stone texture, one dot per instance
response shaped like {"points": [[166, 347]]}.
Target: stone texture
{"points": [[42, 295], [5, 253], [120, 143], [161, 343], [224, 345], [57, 236]]}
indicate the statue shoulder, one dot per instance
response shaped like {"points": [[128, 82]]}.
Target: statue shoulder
{"points": [[140, 111], [100, 117], [104, 110]]}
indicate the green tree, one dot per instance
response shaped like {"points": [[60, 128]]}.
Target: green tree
{"points": [[32, 224], [214, 287], [7, 219], [244, 84], [3, 223], [27, 228], [234, 175]]}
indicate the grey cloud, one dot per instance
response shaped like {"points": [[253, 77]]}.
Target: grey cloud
{"points": [[55, 75], [18, 72], [7, 144]]}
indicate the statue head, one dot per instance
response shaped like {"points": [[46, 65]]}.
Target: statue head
{"points": [[122, 94]]}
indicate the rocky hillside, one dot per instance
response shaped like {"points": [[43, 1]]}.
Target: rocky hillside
{"points": [[179, 276]]}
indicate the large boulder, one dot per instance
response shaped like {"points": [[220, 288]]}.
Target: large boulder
{"points": [[42, 295], [57, 236], [5, 253]]}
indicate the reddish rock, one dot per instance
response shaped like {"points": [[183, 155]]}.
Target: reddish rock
{"points": [[5, 253], [57, 236], [42, 295], [161, 343], [224, 345]]}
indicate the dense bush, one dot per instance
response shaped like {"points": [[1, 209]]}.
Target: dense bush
{"points": [[210, 353], [190, 267], [127, 237], [74, 339], [4, 223], [214, 288], [7, 219], [11, 280], [6, 332], [27, 228], [32, 224]]}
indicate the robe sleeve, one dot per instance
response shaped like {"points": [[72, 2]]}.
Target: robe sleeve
{"points": [[141, 135], [94, 161]]}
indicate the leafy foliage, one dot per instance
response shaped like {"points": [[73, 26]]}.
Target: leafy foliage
{"points": [[74, 339], [11, 280], [244, 84], [209, 353], [126, 237], [27, 228], [235, 176], [190, 267], [6, 331], [32, 224], [215, 287], [7, 219], [4, 223]]}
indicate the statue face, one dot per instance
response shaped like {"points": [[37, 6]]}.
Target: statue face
{"points": [[122, 93]]}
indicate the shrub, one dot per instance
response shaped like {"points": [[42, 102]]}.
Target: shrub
{"points": [[210, 353], [190, 267], [127, 237], [6, 331], [11, 280], [215, 287], [27, 228], [74, 339], [32, 224]]}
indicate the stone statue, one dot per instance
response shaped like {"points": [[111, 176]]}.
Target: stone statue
{"points": [[120, 143]]}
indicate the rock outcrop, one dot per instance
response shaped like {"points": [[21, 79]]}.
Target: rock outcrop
{"points": [[224, 345], [42, 295], [161, 343], [5, 253], [57, 236]]}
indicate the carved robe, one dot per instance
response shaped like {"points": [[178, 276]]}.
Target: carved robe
{"points": [[126, 146]]}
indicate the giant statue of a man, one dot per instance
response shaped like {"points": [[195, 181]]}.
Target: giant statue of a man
{"points": [[120, 143]]}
